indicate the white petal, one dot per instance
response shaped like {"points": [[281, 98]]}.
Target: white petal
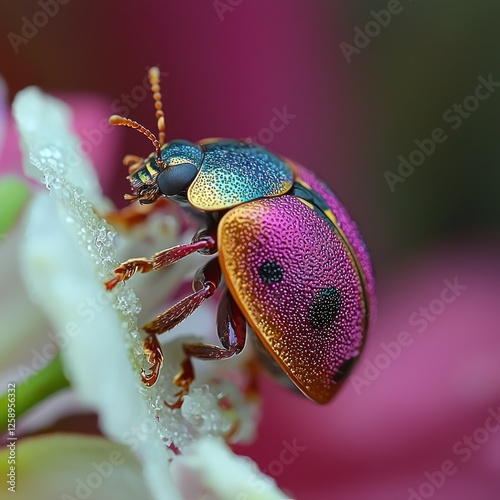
{"points": [[209, 468], [92, 338], [23, 323], [43, 121], [70, 466]]}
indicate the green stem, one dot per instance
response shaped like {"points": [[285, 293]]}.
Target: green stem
{"points": [[31, 391], [14, 194]]}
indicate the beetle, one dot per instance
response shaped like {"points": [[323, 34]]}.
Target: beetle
{"points": [[295, 267]]}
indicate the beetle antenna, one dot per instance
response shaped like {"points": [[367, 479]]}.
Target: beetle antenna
{"points": [[154, 81], [127, 122]]}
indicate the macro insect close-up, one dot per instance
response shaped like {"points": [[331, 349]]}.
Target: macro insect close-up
{"points": [[295, 266], [249, 250]]}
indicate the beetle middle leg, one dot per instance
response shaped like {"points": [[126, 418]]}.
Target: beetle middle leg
{"points": [[231, 329], [205, 282]]}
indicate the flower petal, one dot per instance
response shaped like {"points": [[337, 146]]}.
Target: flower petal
{"points": [[43, 120], [93, 343], [23, 323], [72, 466], [210, 470]]}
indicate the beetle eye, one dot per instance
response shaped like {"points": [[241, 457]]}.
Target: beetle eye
{"points": [[176, 178]]}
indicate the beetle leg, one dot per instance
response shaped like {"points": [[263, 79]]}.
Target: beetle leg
{"points": [[183, 380], [152, 349], [205, 282], [160, 260], [130, 216], [133, 163], [231, 328]]}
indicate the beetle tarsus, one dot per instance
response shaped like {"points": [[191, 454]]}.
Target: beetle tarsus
{"points": [[126, 270], [183, 379], [112, 282], [152, 349]]}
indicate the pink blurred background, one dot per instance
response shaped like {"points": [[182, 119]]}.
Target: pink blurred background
{"points": [[230, 65]]}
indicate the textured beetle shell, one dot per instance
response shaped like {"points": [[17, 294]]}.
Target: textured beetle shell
{"points": [[351, 231], [235, 172], [303, 289]]}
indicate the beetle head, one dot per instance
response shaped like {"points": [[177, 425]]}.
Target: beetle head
{"points": [[171, 176], [171, 169]]}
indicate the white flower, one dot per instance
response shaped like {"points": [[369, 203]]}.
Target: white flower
{"points": [[67, 256]]}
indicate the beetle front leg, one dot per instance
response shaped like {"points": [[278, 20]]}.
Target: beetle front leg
{"points": [[133, 162], [202, 242], [205, 282]]}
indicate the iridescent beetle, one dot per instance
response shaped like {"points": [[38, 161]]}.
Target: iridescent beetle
{"points": [[295, 266]]}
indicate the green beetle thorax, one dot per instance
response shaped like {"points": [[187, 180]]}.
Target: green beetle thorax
{"points": [[235, 172]]}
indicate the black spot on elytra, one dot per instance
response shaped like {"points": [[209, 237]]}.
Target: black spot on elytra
{"points": [[325, 307], [270, 272]]}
